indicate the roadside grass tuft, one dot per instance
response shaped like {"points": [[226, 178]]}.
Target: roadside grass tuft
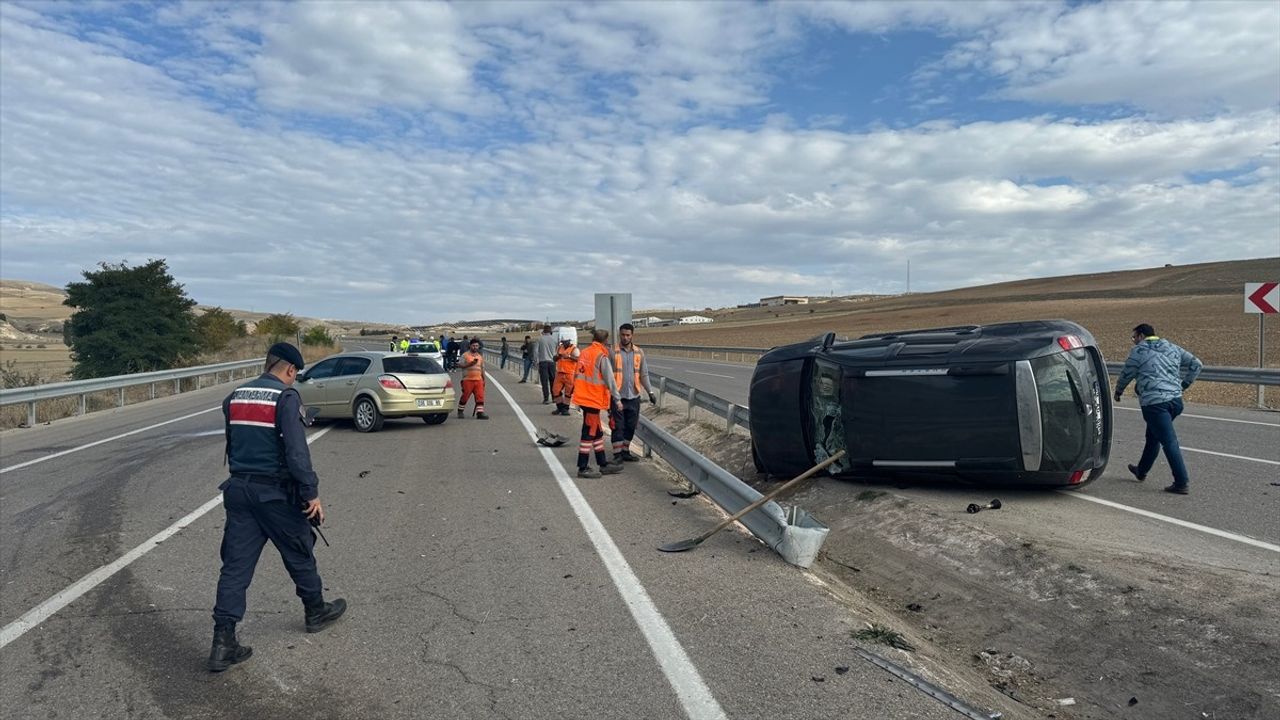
{"points": [[869, 495], [881, 635]]}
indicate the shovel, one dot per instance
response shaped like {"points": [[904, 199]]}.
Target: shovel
{"points": [[682, 545]]}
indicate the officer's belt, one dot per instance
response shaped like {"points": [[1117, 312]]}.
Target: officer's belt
{"points": [[264, 479]]}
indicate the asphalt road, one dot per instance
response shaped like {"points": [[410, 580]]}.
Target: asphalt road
{"points": [[1233, 456], [484, 582]]}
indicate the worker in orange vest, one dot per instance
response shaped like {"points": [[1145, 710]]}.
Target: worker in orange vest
{"points": [[566, 368], [631, 376], [472, 366], [595, 392]]}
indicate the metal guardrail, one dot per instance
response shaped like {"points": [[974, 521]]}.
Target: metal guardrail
{"points": [[795, 534], [1222, 374], [83, 388]]}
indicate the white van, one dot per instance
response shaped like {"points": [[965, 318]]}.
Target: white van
{"points": [[565, 332]]}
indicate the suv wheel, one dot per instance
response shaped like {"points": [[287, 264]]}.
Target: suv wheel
{"points": [[366, 415]]}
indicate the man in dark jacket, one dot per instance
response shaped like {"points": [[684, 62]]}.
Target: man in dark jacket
{"points": [[272, 494], [1162, 370]]}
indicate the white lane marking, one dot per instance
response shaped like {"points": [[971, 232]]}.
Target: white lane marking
{"points": [[695, 372], [96, 443], [1229, 455], [72, 592], [692, 691], [1175, 521], [1208, 417]]}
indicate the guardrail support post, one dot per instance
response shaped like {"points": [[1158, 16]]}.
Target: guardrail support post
{"points": [[199, 382], [693, 395], [31, 414], [730, 417], [177, 386], [84, 404], [153, 391], [121, 397], [662, 390]]}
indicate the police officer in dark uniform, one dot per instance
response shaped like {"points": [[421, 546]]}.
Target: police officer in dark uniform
{"points": [[271, 495]]}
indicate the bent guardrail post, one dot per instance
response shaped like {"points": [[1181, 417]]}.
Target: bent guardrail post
{"points": [[797, 540]]}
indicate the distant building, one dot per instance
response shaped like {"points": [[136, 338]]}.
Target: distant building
{"points": [[695, 320], [784, 300], [646, 321]]}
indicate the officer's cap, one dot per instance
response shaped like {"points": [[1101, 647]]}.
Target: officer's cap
{"points": [[288, 353]]}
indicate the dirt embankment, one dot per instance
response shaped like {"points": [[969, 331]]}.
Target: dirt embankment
{"points": [[1008, 622]]}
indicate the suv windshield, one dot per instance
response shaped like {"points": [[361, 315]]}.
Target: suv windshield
{"points": [[408, 364]]}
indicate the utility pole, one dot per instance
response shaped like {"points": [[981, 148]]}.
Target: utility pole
{"points": [[908, 277]]}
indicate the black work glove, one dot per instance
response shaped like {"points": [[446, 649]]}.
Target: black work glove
{"points": [[1185, 384], [653, 399]]}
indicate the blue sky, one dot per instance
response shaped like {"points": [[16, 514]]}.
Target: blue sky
{"points": [[511, 159]]}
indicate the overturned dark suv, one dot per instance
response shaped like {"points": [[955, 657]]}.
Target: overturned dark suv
{"points": [[1024, 403]]}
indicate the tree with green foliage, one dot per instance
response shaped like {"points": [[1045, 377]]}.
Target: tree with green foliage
{"points": [[281, 326], [317, 335], [216, 328], [128, 320]]}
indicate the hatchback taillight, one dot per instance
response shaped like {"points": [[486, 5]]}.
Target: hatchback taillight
{"points": [[448, 385], [1070, 342], [390, 382]]}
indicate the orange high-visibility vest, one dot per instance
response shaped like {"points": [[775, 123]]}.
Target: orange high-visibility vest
{"points": [[617, 367], [590, 389], [567, 360], [476, 371]]}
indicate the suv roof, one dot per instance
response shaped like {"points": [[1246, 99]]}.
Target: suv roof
{"points": [[964, 343]]}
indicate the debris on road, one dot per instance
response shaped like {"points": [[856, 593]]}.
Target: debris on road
{"points": [[974, 507], [364, 473], [842, 669], [546, 438], [1066, 701]]}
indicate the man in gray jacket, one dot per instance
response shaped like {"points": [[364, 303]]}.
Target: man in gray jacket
{"points": [[1162, 371], [544, 354]]}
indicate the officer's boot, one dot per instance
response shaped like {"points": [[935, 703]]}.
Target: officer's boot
{"points": [[226, 651], [323, 614]]}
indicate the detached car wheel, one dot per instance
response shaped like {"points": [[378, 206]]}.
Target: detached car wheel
{"points": [[437, 419], [366, 416]]}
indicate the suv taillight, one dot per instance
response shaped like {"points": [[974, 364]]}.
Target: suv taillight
{"points": [[1070, 342], [391, 382]]}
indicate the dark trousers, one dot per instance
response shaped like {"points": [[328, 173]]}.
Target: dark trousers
{"points": [[502, 361], [592, 439], [528, 365], [1160, 433], [624, 425], [250, 524], [546, 375]]}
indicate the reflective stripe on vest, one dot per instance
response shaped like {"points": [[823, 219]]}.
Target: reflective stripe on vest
{"points": [[635, 370], [590, 389]]}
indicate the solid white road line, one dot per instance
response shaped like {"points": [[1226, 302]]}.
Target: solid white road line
{"points": [[695, 372], [1208, 417], [96, 443], [72, 592], [694, 695], [1175, 521], [1229, 455]]}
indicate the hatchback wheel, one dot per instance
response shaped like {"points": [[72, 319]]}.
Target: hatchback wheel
{"points": [[366, 416], [435, 419]]}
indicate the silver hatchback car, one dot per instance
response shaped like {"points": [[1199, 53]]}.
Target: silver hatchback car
{"points": [[369, 387]]}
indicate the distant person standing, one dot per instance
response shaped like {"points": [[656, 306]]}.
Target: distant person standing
{"points": [[544, 353], [472, 365], [526, 357], [566, 367], [395, 344], [504, 352], [451, 355], [1162, 371], [595, 392], [272, 494], [631, 376]]}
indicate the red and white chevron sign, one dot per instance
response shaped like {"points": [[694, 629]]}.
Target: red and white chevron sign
{"points": [[1262, 298]]}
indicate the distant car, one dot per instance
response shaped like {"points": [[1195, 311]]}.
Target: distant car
{"points": [[369, 387], [426, 349], [1025, 403]]}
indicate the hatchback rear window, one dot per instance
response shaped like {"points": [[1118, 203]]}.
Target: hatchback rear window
{"points": [[405, 364]]}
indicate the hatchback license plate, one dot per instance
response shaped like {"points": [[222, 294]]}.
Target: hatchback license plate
{"points": [[429, 403]]}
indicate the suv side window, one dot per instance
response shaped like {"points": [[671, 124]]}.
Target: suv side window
{"points": [[351, 366], [323, 369]]}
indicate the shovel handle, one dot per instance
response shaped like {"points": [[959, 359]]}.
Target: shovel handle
{"points": [[776, 492]]}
